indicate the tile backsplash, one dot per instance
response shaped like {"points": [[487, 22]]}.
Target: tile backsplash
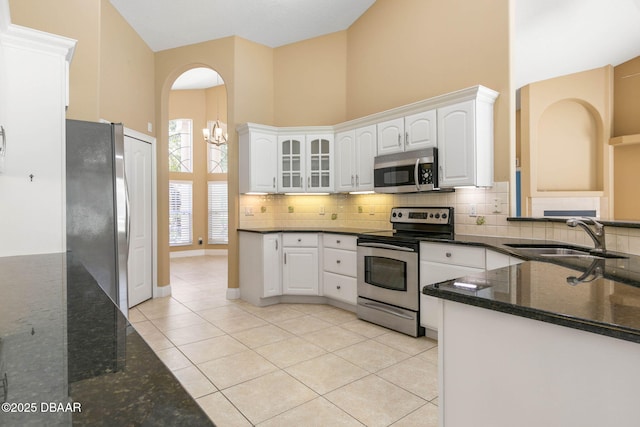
{"points": [[371, 211]]}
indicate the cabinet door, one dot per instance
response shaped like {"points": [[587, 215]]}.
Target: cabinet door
{"points": [[300, 271], [365, 149], [291, 165], [434, 272], [456, 144], [391, 136], [264, 162], [345, 162], [420, 130], [319, 163], [272, 285]]}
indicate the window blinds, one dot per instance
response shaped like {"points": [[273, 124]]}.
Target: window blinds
{"points": [[218, 212], [180, 213]]}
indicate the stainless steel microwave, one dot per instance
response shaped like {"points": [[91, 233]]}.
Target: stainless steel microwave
{"points": [[406, 172]]}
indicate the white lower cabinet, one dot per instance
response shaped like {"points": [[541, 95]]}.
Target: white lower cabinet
{"points": [[439, 262], [260, 266], [300, 264], [340, 268]]}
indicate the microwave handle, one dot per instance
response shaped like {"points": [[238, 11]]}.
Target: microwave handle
{"points": [[416, 175]]}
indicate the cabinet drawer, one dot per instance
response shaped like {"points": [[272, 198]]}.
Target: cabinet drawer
{"points": [[340, 241], [341, 262], [340, 287], [453, 254], [309, 240]]}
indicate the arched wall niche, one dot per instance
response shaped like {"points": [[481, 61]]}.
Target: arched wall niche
{"points": [[565, 124], [569, 153]]}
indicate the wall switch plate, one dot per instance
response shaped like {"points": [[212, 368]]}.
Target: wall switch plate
{"points": [[372, 210], [321, 210], [359, 209], [248, 211], [473, 210]]}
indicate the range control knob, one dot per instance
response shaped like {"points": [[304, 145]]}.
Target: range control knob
{"points": [[444, 216], [399, 214]]}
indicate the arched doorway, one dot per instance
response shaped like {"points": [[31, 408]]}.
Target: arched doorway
{"points": [[198, 168]]}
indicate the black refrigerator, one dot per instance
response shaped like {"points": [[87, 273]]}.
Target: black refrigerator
{"points": [[97, 204]]}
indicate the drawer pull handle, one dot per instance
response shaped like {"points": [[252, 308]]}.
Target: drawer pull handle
{"points": [[448, 254]]}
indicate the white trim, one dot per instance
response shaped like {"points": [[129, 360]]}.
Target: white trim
{"points": [[184, 254], [233, 293], [218, 252], [198, 252], [161, 291]]}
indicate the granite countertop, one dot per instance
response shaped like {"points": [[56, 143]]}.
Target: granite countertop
{"points": [[64, 342], [335, 230], [596, 295]]}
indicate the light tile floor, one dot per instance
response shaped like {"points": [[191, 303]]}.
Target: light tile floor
{"points": [[287, 364]]}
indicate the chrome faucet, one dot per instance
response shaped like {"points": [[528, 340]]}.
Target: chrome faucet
{"points": [[596, 234]]}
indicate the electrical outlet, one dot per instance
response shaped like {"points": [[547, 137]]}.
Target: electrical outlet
{"points": [[248, 211], [372, 210], [199, 240], [473, 210], [321, 210], [359, 209], [497, 208]]}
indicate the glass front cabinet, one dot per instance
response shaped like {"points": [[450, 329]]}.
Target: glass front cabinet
{"points": [[305, 163]]}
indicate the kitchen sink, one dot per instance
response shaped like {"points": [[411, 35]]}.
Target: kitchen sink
{"points": [[556, 251]]}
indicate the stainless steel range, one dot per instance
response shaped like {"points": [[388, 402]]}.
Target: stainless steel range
{"points": [[389, 267]]}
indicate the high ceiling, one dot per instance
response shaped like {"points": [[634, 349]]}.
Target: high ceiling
{"points": [[552, 37], [165, 24]]}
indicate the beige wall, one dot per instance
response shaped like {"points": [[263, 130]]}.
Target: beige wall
{"points": [[627, 158], [310, 81], [407, 50], [627, 98], [111, 75]]}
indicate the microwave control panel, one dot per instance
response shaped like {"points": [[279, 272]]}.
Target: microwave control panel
{"points": [[427, 175]]}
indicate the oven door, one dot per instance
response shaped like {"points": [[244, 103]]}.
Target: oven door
{"points": [[388, 274]]}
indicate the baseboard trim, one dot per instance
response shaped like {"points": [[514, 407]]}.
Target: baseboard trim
{"points": [[198, 252], [233, 293], [161, 291]]}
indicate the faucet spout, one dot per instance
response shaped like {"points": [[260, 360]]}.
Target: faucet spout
{"points": [[596, 234]]}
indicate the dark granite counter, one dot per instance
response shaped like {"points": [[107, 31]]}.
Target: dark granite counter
{"points": [[71, 358], [591, 294], [336, 230]]}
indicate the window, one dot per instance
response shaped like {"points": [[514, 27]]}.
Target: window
{"points": [[180, 213], [217, 156], [218, 212], [180, 143]]}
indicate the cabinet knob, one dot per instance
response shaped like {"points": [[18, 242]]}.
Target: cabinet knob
{"points": [[337, 242], [448, 254], [337, 261], [338, 287], [299, 240]]}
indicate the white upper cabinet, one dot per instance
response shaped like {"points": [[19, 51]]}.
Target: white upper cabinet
{"points": [[258, 163], [465, 141], [355, 151], [412, 132], [291, 162], [33, 96], [304, 159], [320, 163], [305, 163]]}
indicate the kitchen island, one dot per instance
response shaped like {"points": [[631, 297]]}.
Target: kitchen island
{"points": [[68, 356], [541, 344]]}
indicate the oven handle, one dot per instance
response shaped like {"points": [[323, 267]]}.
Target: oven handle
{"points": [[386, 246], [386, 309]]}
